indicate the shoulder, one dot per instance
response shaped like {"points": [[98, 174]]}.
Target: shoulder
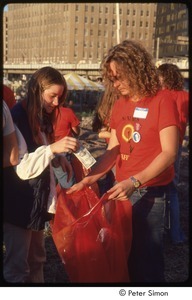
{"points": [[17, 109], [165, 96], [18, 113], [66, 111]]}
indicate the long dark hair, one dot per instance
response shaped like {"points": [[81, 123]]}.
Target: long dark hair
{"points": [[39, 120]]}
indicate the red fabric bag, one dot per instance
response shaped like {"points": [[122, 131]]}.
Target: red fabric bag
{"points": [[93, 236]]}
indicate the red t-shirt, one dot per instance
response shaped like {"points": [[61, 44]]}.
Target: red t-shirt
{"points": [[8, 96], [137, 126], [65, 120], [182, 102]]}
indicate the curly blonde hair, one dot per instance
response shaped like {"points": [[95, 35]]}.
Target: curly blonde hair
{"points": [[171, 76], [135, 65]]}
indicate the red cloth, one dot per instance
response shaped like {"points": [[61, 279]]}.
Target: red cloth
{"points": [[93, 237], [136, 156], [65, 120], [8, 96], [182, 102]]}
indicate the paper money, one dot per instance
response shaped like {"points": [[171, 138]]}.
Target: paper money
{"points": [[85, 157]]}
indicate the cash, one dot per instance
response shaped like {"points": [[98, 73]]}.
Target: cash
{"points": [[85, 157]]}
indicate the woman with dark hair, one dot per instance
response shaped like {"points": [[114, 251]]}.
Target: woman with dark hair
{"points": [[29, 191], [143, 144]]}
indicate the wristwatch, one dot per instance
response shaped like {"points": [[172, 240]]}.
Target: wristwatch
{"points": [[136, 182]]}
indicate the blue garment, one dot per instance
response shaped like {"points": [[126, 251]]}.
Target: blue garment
{"points": [[173, 207], [146, 260], [62, 178]]}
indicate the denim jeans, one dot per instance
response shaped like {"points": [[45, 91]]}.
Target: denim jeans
{"points": [[146, 261], [173, 207], [173, 212], [25, 255]]}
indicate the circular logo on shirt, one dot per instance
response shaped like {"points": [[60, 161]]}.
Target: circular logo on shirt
{"points": [[136, 137], [127, 132]]}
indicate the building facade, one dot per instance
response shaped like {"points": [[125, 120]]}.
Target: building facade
{"points": [[73, 32], [172, 32]]}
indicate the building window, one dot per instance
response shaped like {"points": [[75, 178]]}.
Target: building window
{"points": [[76, 19], [141, 13], [76, 7], [134, 12]]}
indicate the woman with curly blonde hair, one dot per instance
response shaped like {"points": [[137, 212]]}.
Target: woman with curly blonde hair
{"points": [[143, 146]]}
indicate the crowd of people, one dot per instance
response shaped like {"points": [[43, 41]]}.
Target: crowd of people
{"points": [[142, 115]]}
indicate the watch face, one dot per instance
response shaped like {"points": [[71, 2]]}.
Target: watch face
{"points": [[137, 184]]}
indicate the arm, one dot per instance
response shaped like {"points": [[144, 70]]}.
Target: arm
{"points": [[33, 164], [169, 143], [10, 145], [104, 164], [10, 150], [75, 130]]}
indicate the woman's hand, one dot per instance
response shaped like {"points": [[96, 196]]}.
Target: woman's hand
{"points": [[122, 190], [66, 144], [76, 187]]}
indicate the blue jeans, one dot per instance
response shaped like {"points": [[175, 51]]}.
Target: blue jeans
{"points": [[173, 207], [146, 261], [173, 211]]}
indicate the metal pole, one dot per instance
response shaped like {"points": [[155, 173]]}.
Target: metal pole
{"points": [[118, 26], [157, 50]]}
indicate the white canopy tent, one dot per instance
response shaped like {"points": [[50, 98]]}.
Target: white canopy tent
{"points": [[77, 82]]}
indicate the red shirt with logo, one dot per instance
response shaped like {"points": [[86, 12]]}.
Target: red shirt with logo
{"points": [[138, 125]]}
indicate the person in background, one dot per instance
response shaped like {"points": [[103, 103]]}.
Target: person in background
{"points": [[171, 79], [8, 96], [66, 123], [10, 145], [101, 121], [101, 124], [29, 188], [143, 144]]}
